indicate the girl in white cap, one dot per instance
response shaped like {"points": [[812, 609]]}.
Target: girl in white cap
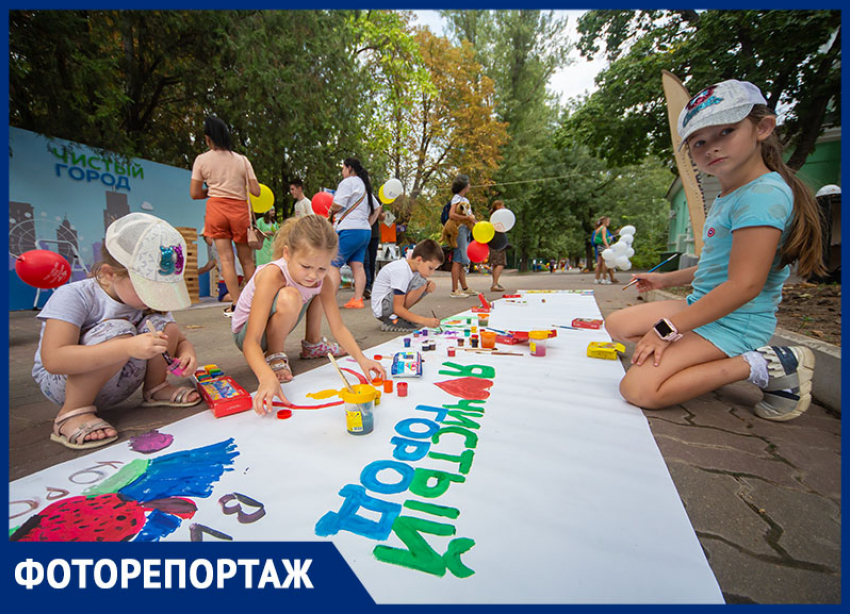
{"points": [[764, 220], [97, 346]]}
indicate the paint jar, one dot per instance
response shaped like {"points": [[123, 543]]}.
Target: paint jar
{"points": [[388, 385], [402, 389], [359, 405], [483, 319], [537, 342], [488, 339], [473, 341], [407, 342], [474, 329], [460, 342], [451, 352], [466, 332], [424, 332]]}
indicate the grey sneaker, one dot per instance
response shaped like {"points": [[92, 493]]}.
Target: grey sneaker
{"points": [[789, 387], [398, 326]]}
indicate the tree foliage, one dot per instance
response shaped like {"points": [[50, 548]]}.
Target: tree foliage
{"points": [[793, 56]]}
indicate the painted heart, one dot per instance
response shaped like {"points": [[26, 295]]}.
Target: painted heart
{"points": [[469, 388]]}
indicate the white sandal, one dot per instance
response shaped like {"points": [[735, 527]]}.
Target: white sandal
{"points": [[279, 361], [76, 441], [178, 398]]}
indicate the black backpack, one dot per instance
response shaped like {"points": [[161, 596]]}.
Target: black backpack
{"points": [[444, 216]]}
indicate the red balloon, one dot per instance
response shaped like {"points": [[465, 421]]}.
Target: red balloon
{"points": [[477, 252], [322, 203], [42, 268]]}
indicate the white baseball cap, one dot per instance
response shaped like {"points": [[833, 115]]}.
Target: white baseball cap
{"points": [[727, 102], [155, 256]]}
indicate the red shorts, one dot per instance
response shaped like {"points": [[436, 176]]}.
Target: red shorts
{"points": [[227, 218]]}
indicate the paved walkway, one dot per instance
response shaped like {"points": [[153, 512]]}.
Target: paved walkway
{"points": [[763, 497]]}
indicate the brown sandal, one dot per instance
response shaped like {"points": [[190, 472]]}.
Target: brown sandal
{"points": [[76, 441]]}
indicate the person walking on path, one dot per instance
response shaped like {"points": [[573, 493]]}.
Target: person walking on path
{"points": [[267, 225], [601, 239], [498, 257], [764, 220], [462, 218], [303, 205], [228, 177], [352, 209]]}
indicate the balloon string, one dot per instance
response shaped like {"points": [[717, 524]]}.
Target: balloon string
{"points": [[490, 185]]}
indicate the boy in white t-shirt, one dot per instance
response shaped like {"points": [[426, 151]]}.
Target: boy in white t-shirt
{"points": [[399, 285]]}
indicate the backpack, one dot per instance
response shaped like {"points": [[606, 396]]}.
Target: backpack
{"points": [[444, 216]]}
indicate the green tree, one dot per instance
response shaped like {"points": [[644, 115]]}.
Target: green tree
{"points": [[793, 56]]}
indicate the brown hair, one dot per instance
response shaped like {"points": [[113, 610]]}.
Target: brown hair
{"points": [[803, 244], [429, 250], [496, 204], [108, 259], [311, 231]]}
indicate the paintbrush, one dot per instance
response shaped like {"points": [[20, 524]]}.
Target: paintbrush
{"points": [[173, 366], [434, 315], [341, 374], [637, 279]]}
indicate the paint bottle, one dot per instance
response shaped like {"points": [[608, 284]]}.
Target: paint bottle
{"points": [[451, 352], [466, 332], [473, 341], [388, 385], [488, 339], [359, 405], [460, 342], [537, 342], [407, 342], [402, 389]]}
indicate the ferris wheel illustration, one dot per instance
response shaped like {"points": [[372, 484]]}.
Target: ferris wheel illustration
{"points": [[55, 234]]}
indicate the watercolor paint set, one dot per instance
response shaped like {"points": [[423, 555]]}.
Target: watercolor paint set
{"points": [[407, 364], [222, 394]]}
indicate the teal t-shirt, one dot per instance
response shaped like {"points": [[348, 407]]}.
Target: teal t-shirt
{"points": [[765, 201]]}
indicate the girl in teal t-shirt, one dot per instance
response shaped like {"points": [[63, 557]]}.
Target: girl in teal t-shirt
{"points": [[764, 220]]}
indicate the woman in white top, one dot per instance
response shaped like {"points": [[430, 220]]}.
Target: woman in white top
{"points": [[354, 210], [228, 176]]}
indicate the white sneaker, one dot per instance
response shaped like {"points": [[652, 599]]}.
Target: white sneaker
{"points": [[606, 282], [597, 281], [459, 294]]}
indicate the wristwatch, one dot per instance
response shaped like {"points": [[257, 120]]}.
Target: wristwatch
{"points": [[665, 329]]}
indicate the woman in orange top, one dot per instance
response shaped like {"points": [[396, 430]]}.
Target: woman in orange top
{"points": [[228, 176]]}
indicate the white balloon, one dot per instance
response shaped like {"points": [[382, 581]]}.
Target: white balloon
{"points": [[608, 254], [624, 263], [619, 247], [393, 189], [503, 220], [630, 252], [627, 230], [629, 239]]}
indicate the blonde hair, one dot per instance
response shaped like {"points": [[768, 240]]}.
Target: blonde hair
{"points": [[311, 231], [804, 242]]}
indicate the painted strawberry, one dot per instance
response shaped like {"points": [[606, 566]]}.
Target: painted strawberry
{"points": [[144, 501], [470, 388]]}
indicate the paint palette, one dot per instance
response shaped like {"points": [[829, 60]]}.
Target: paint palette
{"points": [[222, 394], [407, 364]]}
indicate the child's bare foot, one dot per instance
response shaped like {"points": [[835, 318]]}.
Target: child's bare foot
{"points": [[279, 362]]}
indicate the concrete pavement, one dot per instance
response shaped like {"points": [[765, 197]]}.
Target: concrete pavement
{"points": [[763, 497]]}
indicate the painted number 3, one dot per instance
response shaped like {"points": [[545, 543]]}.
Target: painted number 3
{"points": [[230, 504]]}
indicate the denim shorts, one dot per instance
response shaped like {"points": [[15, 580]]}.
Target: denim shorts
{"points": [[352, 246], [239, 338], [463, 236], [124, 383], [737, 333]]}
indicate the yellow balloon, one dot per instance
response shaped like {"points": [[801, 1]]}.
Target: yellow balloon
{"points": [[483, 232], [264, 201], [382, 197]]}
